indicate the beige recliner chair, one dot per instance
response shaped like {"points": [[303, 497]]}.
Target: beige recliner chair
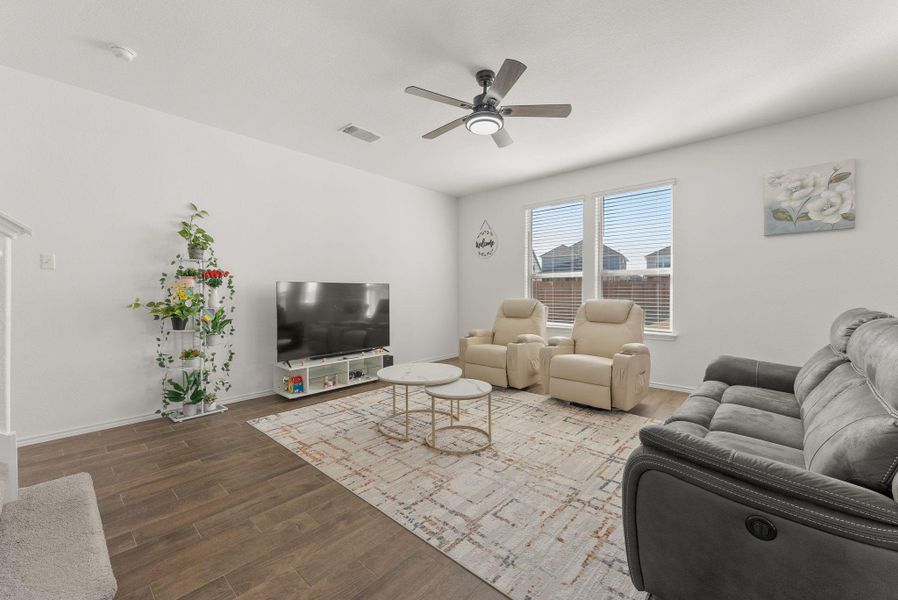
{"points": [[604, 363], [508, 354]]}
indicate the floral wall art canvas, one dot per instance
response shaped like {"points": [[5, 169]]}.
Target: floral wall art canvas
{"points": [[809, 199]]}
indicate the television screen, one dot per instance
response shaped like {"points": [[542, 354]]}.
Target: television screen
{"points": [[323, 319]]}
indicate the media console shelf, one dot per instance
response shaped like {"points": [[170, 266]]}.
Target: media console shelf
{"points": [[343, 371]]}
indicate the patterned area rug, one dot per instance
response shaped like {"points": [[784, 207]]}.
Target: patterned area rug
{"points": [[537, 515]]}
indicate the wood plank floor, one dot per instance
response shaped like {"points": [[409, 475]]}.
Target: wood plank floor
{"points": [[212, 509]]}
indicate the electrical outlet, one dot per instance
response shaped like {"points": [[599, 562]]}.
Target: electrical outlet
{"points": [[48, 262]]}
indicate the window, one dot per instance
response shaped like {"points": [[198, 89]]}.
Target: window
{"points": [[635, 235], [555, 258]]}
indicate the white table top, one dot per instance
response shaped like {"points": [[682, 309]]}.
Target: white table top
{"points": [[419, 374], [461, 389]]}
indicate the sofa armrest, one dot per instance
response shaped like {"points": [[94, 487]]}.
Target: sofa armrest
{"points": [[481, 333], [634, 348], [791, 481], [734, 370], [522, 360], [683, 515], [630, 376], [560, 340], [466, 342], [546, 354]]}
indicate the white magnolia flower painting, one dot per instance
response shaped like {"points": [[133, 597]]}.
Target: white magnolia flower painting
{"points": [[817, 198]]}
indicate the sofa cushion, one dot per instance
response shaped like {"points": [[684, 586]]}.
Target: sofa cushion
{"points": [[595, 370], [760, 424], [517, 316], [848, 392], [815, 370], [751, 420], [781, 403], [593, 335], [757, 447], [607, 311], [488, 355], [847, 323]]}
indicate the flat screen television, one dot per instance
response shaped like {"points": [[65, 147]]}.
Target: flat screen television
{"points": [[316, 319]]}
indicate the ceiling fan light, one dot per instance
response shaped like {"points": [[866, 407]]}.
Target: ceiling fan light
{"points": [[484, 123]]}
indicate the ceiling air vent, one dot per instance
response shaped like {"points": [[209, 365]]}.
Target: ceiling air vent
{"points": [[359, 133]]}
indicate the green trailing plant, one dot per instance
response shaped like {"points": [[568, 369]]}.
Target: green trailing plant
{"points": [[196, 236], [189, 390]]}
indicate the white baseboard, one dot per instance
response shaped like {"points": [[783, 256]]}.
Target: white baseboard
{"points": [[9, 455], [58, 435], [672, 387]]}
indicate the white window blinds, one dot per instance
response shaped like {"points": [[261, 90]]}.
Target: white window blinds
{"points": [[635, 251], [555, 258]]}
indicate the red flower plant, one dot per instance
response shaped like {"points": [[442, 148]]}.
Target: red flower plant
{"points": [[213, 277]]}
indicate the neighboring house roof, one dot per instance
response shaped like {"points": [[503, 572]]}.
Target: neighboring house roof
{"points": [[658, 258], [570, 258]]}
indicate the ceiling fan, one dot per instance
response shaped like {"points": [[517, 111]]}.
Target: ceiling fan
{"points": [[487, 116]]}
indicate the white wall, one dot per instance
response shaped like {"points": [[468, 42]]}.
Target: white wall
{"points": [[103, 183], [734, 290]]}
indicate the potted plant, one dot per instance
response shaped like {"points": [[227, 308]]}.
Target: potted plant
{"points": [[191, 358], [189, 392], [214, 324], [210, 401], [181, 304], [214, 278], [188, 276], [198, 239]]}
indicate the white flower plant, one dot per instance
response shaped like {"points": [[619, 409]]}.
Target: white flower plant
{"points": [[824, 202]]}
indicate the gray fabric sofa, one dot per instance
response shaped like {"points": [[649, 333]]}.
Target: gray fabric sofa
{"points": [[773, 481]]}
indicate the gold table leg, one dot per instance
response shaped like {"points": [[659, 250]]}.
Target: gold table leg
{"points": [[405, 414], [489, 417]]}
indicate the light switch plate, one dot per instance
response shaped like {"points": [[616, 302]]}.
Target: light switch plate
{"points": [[48, 262]]}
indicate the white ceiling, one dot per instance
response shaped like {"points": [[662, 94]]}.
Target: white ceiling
{"points": [[641, 75]]}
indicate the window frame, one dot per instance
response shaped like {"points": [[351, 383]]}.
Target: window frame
{"points": [[599, 208], [528, 249]]}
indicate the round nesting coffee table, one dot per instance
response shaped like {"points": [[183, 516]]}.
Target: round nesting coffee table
{"points": [[462, 389], [408, 374]]}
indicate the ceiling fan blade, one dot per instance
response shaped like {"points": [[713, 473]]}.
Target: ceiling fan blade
{"points": [[416, 91], [537, 110], [509, 73], [441, 130], [502, 138]]}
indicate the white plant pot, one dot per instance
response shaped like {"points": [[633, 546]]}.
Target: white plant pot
{"points": [[188, 282], [213, 340], [193, 363], [210, 406], [215, 298], [190, 410]]}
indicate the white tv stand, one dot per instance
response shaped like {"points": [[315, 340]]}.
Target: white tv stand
{"points": [[339, 369]]}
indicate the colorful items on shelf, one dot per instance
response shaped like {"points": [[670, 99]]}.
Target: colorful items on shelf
{"points": [[293, 385]]}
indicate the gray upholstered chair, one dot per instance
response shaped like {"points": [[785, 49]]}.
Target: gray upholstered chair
{"points": [[508, 354], [604, 363], [773, 481]]}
